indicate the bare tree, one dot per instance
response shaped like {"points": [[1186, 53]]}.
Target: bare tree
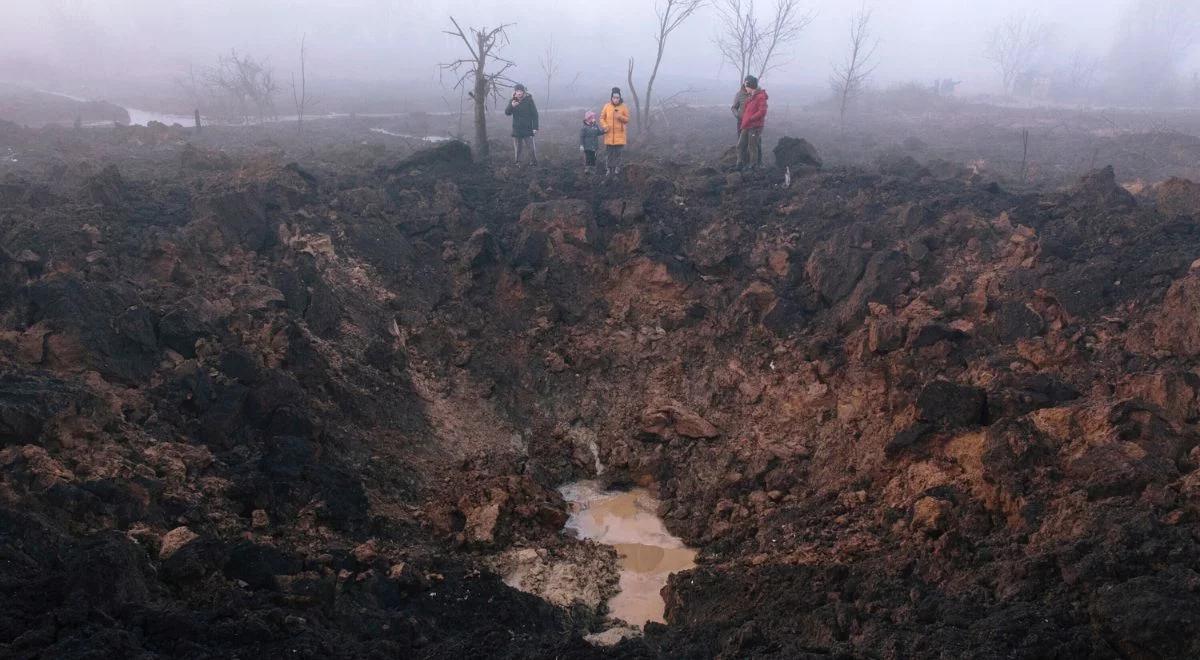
{"points": [[549, 66], [674, 102], [789, 21], [739, 36], [574, 84], [1014, 46], [300, 92], [671, 14], [751, 45], [849, 77], [242, 83], [637, 101], [1079, 75], [482, 44]]}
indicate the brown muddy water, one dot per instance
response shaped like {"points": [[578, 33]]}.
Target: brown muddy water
{"points": [[627, 520]]}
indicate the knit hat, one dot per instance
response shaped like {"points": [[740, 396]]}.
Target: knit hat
{"points": [[752, 82], [589, 116], [519, 88]]}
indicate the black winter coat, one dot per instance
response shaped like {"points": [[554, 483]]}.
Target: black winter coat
{"points": [[589, 137], [525, 117]]}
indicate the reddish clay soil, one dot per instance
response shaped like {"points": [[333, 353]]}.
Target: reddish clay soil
{"points": [[262, 399]]}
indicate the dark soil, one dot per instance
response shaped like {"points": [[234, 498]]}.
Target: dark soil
{"points": [[34, 108], [277, 396]]}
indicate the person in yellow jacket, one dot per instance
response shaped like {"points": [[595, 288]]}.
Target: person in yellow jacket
{"points": [[614, 120]]}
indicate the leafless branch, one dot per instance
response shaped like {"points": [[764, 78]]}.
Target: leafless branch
{"points": [[300, 92], [850, 77], [549, 63], [239, 82], [752, 45], [671, 14], [789, 23], [1014, 45], [739, 37], [668, 102], [478, 72]]}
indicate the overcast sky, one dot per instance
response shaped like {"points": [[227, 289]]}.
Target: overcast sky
{"points": [[388, 40]]}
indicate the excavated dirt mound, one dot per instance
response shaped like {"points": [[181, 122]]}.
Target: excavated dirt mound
{"points": [[796, 153], [250, 407]]}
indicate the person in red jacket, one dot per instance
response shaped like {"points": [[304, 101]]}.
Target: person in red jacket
{"points": [[754, 118]]}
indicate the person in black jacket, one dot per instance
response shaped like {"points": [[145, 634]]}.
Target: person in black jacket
{"points": [[739, 106], [525, 123]]}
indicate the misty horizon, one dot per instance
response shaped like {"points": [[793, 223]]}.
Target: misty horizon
{"points": [[119, 48]]}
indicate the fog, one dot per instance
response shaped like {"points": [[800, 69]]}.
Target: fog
{"points": [[113, 47]]}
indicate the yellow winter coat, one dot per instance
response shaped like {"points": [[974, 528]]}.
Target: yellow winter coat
{"points": [[614, 119]]}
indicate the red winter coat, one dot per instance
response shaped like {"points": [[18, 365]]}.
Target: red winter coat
{"points": [[755, 114]]}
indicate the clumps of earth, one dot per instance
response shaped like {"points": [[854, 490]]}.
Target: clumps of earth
{"points": [[257, 407]]}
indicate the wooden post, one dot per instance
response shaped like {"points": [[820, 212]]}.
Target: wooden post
{"points": [[1025, 156]]}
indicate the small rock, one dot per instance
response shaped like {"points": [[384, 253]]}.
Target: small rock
{"points": [[930, 515], [796, 153], [660, 420], [612, 636], [174, 540], [482, 522], [884, 335], [402, 573], [910, 436], [951, 404], [917, 251], [853, 498], [366, 552], [28, 257], [259, 519]]}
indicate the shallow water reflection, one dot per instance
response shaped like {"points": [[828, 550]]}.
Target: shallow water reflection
{"points": [[649, 553]]}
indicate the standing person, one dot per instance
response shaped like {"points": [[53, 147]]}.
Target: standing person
{"points": [[614, 119], [524, 115], [739, 106], [754, 118], [589, 141]]}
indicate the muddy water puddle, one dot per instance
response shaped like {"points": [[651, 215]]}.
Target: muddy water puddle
{"points": [[628, 522]]}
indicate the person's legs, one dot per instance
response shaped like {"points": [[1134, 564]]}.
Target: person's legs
{"points": [[533, 148], [756, 147], [743, 156], [517, 148], [615, 160], [609, 157]]}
